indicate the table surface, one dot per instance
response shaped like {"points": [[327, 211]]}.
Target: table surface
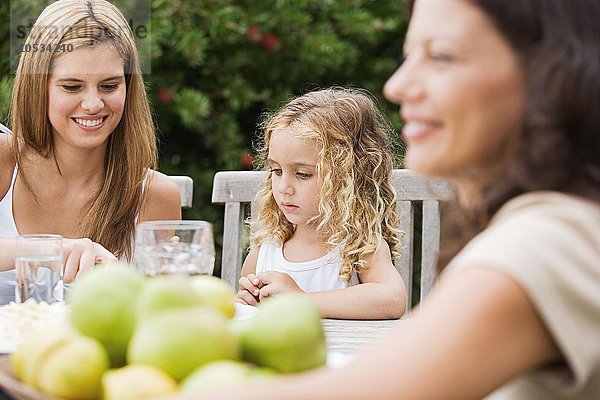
{"points": [[351, 336]]}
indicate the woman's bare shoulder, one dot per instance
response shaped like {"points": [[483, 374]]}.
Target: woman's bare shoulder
{"points": [[6, 153], [162, 199]]}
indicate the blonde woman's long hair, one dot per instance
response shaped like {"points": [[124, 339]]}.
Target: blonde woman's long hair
{"points": [[111, 215], [357, 205]]}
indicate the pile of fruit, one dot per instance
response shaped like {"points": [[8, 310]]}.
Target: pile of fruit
{"points": [[133, 337]]}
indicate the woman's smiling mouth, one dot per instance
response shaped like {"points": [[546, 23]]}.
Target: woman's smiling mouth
{"points": [[89, 124]]}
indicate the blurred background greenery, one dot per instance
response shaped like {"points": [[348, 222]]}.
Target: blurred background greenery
{"points": [[217, 65]]}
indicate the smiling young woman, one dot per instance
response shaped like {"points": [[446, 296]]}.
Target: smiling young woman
{"points": [[81, 159]]}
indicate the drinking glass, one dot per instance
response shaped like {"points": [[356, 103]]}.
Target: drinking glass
{"points": [[39, 268], [174, 247]]}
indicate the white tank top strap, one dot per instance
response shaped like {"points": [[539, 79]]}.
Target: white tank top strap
{"points": [[8, 227], [146, 177], [14, 176]]}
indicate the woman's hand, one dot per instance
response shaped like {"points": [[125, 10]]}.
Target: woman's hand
{"points": [[81, 255], [275, 283]]}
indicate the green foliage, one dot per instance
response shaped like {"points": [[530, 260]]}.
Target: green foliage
{"points": [[217, 65]]}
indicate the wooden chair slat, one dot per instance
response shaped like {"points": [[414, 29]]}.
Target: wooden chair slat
{"points": [[232, 243], [186, 189], [430, 245], [404, 263]]}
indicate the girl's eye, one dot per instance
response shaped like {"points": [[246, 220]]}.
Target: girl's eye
{"points": [[276, 171], [110, 87], [71, 88], [302, 175]]}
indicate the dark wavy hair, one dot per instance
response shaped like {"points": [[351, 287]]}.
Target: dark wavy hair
{"points": [[558, 148]]}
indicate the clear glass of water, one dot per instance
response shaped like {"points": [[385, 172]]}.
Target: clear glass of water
{"points": [[174, 247], [39, 268]]}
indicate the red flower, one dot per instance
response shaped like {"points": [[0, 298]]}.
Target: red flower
{"points": [[271, 42], [254, 34], [165, 96], [246, 160]]}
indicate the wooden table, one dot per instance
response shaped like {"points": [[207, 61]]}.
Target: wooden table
{"points": [[351, 336]]}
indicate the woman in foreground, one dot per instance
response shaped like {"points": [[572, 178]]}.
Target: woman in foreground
{"points": [[503, 99]]}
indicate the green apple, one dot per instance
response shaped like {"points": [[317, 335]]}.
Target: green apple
{"points": [[216, 375], [181, 340], [104, 306], [74, 369], [286, 334], [215, 293], [165, 293], [137, 381]]}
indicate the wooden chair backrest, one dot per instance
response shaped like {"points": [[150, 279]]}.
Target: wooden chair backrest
{"points": [[186, 189], [237, 189]]}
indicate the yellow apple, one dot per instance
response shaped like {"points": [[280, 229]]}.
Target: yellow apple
{"points": [[61, 363], [74, 370], [137, 381], [215, 293], [25, 361]]}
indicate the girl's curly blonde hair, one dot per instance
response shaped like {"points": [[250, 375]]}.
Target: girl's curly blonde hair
{"points": [[357, 206]]}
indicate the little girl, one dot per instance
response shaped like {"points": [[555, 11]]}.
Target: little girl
{"points": [[327, 221]]}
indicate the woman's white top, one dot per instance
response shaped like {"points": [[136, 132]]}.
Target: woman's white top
{"points": [[317, 275], [8, 229]]}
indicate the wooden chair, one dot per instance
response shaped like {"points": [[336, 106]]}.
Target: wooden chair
{"points": [[237, 189], [186, 189]]}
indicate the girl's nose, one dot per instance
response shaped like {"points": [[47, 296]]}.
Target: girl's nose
{"points": [[92, 102], [284, 185]]}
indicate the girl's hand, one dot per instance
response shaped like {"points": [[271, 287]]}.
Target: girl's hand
{"points": [[275, 283], [81, 255], [249, 290]]}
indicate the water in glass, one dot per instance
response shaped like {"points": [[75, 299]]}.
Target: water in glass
{"points": [[39, 278]]}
